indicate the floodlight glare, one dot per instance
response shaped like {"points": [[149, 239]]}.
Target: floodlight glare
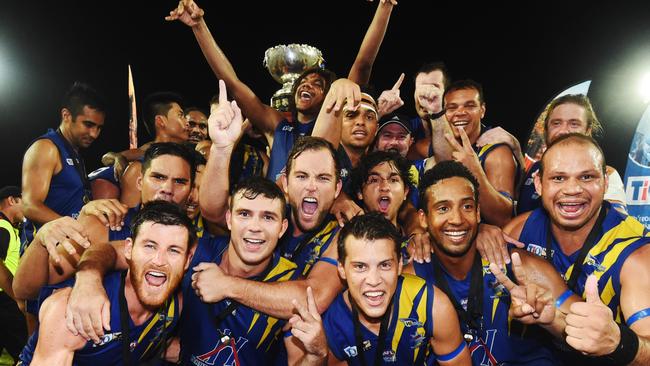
{"points": [[644, 88]]}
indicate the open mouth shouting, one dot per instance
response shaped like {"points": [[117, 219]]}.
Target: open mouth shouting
{"points": [[155, 278], [384, 204], [309, 206]]}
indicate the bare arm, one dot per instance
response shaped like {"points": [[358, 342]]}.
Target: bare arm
{"points": [[442, 150], [262, 116], [129, 193], [500, 171], [273, 298], [225, 126], [328, 122], [362, 67], [635, 281], [56, 345], [446, 331], [54, 239], [543, 274], [41, 163]]}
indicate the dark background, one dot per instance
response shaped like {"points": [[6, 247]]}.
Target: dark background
{"points": [[522, 53]]}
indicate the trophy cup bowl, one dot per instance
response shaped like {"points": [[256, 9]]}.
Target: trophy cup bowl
{"points": [[285, 64]]}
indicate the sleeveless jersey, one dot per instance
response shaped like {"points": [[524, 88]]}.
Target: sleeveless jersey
{"points": [[145, 338], [244, 336], [284, 137], [484, 151], [495, 338], [307, 249], [408, 333], [66, 193], [620, 236]]}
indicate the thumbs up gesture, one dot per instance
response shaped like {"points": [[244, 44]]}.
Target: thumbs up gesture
{"points": [[590, 326]]}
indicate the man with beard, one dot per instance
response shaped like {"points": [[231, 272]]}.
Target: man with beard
{"points": [[311, 184], [601, 253], [484, 301], [54, 177], [225, 330], [384, 314], [144, 302], [495, 166], [168, 175]]}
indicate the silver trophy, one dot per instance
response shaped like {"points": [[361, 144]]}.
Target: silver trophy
{"points": [[285, 63]]}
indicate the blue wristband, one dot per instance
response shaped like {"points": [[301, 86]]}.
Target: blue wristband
{"points": [[454, 353], [638, 316], [560, 300]]}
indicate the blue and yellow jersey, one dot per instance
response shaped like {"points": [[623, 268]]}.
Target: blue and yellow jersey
{"points": [[484, 151], [408, 334], [307, 249], [621, 235], [145, 339], [284, 137], [496, 340], [244, 336]]}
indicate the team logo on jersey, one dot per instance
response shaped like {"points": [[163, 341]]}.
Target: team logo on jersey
{"points": [[417, 339], [537, 250], [411, 322], [108, 338], [287, 128], [69, 161], [225, 352], [351, 351], [594, 263], [389, 356], [498, 289]]}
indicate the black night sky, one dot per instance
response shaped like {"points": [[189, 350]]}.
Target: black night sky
{"points": [[522, 52]]}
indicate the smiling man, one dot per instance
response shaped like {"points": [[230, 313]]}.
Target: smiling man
{"points": [[582, 236], [451, 213], [144, 306], [495, 166], [384, 314]]}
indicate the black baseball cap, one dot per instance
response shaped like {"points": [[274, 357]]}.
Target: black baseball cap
{"points": [[10, 191], [395, 118]]}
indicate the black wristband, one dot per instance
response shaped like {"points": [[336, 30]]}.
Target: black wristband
{"points": [[626, 350], [434, 116]]}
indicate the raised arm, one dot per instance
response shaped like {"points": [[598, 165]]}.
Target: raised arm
{"points": [[328, 123], [362, 67], [42, 161], [592, 330], [261, 115], [496, 179], [225, 126]]}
